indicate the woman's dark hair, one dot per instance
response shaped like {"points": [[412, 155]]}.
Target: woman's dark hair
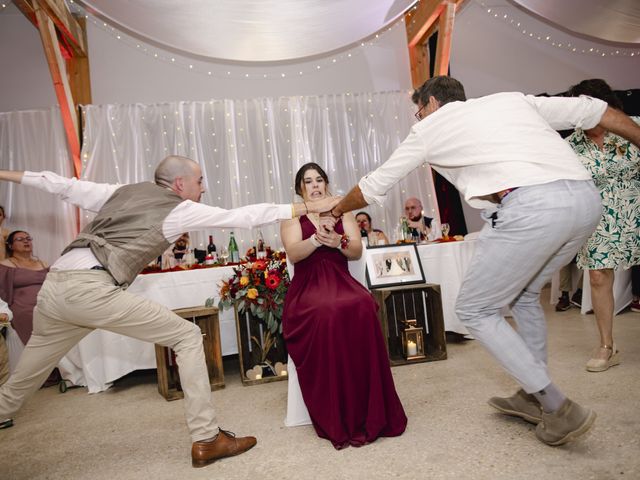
{"points": [[597, 88], [365, 214], [10, 241], [303, 169], [442, 88]]}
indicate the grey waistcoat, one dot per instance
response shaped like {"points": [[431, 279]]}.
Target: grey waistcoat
{"points": [[127, 232]]}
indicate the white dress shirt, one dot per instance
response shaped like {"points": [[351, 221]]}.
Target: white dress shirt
{"points": [[492, 143], [185, 217]]}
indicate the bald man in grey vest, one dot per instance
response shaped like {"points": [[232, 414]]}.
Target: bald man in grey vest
{"points": [[86, 287]]}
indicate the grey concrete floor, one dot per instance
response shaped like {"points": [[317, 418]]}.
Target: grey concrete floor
{"points": [[131, 432]]}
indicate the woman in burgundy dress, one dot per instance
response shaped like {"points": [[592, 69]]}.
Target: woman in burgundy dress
{"points": [[332, 331]]}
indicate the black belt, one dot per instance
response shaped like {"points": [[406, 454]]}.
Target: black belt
{"points": [[98, 267]]}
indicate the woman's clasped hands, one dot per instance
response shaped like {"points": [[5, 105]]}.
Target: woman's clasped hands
{"points": [[326, 234]]}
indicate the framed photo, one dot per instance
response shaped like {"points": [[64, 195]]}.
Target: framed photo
{"points": [[393, 265]]}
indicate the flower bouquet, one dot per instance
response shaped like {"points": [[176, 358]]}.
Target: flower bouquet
{"points": [[257, 290]]}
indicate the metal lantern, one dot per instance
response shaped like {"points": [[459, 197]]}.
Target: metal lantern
{"points": [[412, 340]]}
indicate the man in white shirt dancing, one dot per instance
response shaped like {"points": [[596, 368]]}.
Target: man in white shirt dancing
{"points": [[503, 154], [85, 288]]}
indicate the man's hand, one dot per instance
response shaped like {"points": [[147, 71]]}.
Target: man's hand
{"points": [[324, 205]]}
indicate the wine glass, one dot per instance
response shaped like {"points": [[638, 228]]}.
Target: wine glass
{"points": [[224, 255], [445, 231]]}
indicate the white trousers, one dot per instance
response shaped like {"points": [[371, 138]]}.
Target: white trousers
{"points": [[536, 230]]}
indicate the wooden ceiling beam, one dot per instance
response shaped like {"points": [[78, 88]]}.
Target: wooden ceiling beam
{"points": [[421, 22], [445, 32], [66, 24], [27, 9], [57, 68]]}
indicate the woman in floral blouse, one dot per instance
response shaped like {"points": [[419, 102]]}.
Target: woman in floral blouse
{"points": [[614, 165]]}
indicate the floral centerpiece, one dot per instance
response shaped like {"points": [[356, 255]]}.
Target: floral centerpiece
{"points": [[259, 287]]}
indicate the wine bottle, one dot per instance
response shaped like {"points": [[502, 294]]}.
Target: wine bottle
{"points": [[234, 253], [212, 246], [365, 235], [261, 251]]}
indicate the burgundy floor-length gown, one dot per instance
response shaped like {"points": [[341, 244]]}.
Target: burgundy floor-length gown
{"points": [[333, 335]]}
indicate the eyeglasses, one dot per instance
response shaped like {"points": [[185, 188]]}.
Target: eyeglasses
{"points": [[418, 114], [22, 239]]}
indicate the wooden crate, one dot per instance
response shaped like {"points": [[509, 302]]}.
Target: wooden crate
{"points": [[168, 377], [249, 354], [420, 302]]}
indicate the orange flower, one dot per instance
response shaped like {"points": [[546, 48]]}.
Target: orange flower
{"points": [[244, 281], [259, 265], [252, 293]]}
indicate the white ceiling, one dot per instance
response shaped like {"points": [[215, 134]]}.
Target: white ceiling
{"points": [[250, 30], [616, 21]]}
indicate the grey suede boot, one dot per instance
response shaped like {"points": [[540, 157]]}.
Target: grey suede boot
{"points": [[565, 424], [521, 404]]}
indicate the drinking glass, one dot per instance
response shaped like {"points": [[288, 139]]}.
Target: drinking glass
{"points": [[445, 230], [224, 255]]}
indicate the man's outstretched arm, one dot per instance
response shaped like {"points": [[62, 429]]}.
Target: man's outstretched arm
{"points": [[352, 201], [619, 123], [88, 195]]}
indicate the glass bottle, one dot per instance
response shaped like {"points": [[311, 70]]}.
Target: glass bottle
{"points": [[365, 236], [406, 231], [261, 251], [234, 253], [211, 247]]}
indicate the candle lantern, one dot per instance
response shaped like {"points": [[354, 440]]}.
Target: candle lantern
{"points": [[412, 340]]}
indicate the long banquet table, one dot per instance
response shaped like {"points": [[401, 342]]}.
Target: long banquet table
{"points": [[102, 357]]}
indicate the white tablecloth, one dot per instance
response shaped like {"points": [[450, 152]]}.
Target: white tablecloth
{"points": [[102, 357]]}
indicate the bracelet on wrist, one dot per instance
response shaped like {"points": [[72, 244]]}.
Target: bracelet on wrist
{"points": [[334, 216], [314, 241], [344, 241]]}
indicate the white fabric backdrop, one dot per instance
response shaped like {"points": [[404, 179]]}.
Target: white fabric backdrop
{"points": [[250, 150], [35, 140]]}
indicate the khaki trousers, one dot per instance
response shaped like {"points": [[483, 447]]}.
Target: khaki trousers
{"points": [[73, 303]]}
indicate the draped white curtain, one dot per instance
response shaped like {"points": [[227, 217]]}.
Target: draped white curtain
{"points": [[34, 140], [250, 150]]}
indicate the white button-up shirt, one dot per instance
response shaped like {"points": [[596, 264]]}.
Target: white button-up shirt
{"points": [[492, 143], [185, 217]]}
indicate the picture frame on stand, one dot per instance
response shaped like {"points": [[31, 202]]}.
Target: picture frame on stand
{"points": [[393, 265]]}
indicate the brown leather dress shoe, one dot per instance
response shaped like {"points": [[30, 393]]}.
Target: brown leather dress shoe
{"points": [[226, 444]]}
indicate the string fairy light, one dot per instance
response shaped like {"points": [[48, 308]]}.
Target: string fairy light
{"points": [[547, 39], [222, 71]]}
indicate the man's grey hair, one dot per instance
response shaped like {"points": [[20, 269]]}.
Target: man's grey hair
{"points": [[172, 167]]}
